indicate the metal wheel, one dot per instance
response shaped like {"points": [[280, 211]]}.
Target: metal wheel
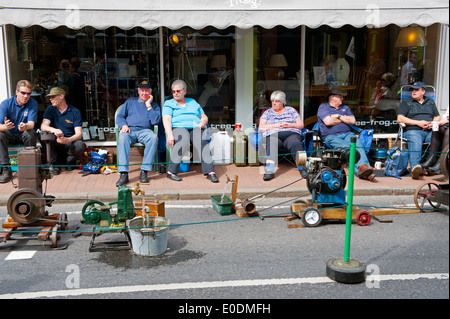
{"points": [[92, 204], [363, 218], [55, 236], [63, 222], [311, 217], [26, 205], [423, 197]]}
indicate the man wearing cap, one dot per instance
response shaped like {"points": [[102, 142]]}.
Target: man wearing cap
{"points": [[417, 113], [18, 115], [64, 120], [334, 120], [135, 120]]}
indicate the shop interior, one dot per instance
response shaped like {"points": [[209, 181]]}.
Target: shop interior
{"points": [[100, 68]]}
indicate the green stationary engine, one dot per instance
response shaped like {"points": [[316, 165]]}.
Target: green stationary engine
{"points": [[95, 212], [107, 220]]}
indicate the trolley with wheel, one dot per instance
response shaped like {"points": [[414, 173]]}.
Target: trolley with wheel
{"points": [[430, 196], [27, 216], [312, 214]]}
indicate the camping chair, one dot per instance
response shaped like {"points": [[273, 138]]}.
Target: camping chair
{"points": [[117, 130], [365, 135], [431, 93]]}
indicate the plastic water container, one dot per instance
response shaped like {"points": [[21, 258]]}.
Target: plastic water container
{"points": [[221, 146]]}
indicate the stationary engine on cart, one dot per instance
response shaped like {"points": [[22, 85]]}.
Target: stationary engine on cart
{"points": [[326, 178], [326, 181], [27, 206]]}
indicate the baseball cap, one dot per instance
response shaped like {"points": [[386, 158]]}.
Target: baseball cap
{"points": [[418, 85], [56, 91], [144, 83], [337, 91]]}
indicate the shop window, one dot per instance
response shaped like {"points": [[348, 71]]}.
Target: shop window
{"points": [[278, 67], [99, 68], [368, 64], [204, 59]]}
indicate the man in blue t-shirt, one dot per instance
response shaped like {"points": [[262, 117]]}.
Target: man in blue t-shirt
{"points": [[334, 120], [63, 120], [18, 115], [135, 120]]}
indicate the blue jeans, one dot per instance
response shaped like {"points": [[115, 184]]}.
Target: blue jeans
{"points": [[343, 140], [146, 137], [416, 138]]}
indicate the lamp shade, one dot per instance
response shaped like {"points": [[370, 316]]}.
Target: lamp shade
{"points": [[278, 60], [411, 37], [219, 61]]}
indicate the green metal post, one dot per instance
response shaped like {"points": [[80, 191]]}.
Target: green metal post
{"points": [[348, 221]]}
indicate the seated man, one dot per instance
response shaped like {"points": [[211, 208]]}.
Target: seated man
{"points": [[417, 112], [135, 120], [18, 115], [63, 120], [334, 120]]}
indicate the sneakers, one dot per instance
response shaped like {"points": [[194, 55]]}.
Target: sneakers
{"points": [[416, 171], [268, 175], [269, 171]]}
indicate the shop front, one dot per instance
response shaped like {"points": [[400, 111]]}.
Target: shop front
{"points": [[232, 54]]}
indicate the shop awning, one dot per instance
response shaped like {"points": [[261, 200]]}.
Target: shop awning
{"points": [[221, 13]]}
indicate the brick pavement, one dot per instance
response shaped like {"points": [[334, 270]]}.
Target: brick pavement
{"points": [[72, 185]]}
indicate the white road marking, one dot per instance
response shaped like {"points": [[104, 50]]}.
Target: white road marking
{"points": [[204, 285], [20, 255]]}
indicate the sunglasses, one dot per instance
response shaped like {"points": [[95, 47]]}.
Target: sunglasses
{"points": [[177, 91], [25, 93]]}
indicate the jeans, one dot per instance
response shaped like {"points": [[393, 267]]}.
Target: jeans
{"points": [[146, 137], [343, 140], [416, 138]]}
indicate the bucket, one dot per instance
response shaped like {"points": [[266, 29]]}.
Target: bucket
{"points": [[185, 162], [150, 241]]}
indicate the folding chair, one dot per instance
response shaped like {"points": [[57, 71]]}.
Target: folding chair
{"points": [[367, 140]]}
